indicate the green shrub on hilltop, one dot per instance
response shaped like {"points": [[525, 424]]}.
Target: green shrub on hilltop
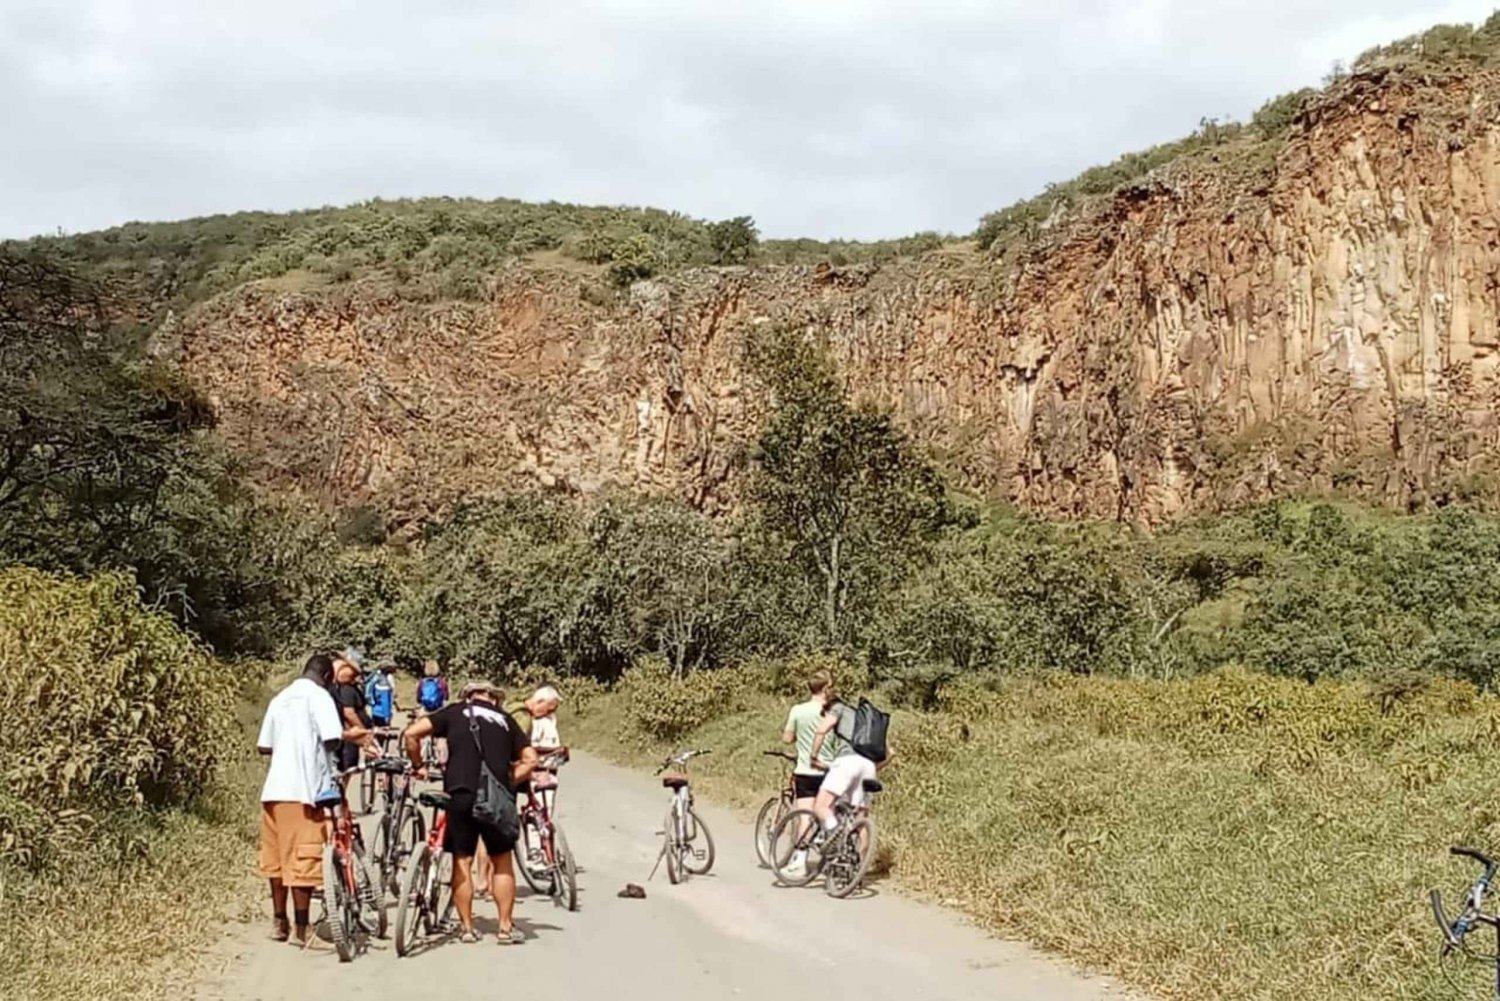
{"points": [[430, 248]]}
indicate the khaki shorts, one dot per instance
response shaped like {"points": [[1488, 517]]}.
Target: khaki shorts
{"points": [[291, 843]]}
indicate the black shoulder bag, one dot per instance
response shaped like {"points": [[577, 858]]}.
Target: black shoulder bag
{"points": [[494, 806]]}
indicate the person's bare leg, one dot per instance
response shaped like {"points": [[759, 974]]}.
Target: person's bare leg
{"points": [[282, 920], [805, 803], [463, 890], [482, 870], [503, 888], [823, 806], [302, 910]]}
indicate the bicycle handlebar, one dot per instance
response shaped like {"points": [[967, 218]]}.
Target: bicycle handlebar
{"points": [[391, 764], [1475, 854], [680, 758]]}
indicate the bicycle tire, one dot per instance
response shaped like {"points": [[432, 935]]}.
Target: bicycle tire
{"points": [[440, 895], [385, 851], [766, 820], [671, 848], [409, 911], [565, 871], [415, 829], [540, 879], [336, 904], [843, 879], [371, 897], [698, 828], [798, 830]]}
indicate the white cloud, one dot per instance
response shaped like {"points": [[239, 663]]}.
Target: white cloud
{"points": [[858, 118]]}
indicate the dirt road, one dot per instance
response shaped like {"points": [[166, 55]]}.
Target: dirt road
{"points": [[732, 934]]}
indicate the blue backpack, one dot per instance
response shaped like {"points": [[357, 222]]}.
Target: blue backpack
{"points": [[430, 694], [382, 698]]}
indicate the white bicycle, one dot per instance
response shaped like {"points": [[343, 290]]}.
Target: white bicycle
{"points": [[686, 844]]}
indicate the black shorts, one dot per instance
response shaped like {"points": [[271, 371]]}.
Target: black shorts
{"points": [[464, 832], [807, 785], [348, 756]]}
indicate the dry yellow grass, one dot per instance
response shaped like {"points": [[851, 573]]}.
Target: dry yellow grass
{"points": [[1232, 838]]}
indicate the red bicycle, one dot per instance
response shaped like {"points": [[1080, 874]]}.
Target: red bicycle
{"points": [[545, 861], [426, 899], [353, 904]]}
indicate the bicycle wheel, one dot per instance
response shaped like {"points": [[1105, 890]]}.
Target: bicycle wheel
{"points": [[698, 849], [797, 832], [533, 859], [337, 904], [564, 871], [383, 847], [413, 897], [413, 833], [372, 917], [440, 894], [765, 825], [845, 869], [671, 847]]}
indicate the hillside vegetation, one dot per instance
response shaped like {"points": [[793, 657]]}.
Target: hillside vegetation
{"points": [[431, 248], [127, 802]]}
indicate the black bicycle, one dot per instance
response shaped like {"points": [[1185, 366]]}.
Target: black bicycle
{"points": [[1456, 931], [401, 827], [373, 782]]}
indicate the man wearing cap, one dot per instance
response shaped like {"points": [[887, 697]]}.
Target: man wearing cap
{"points": [[477, 728], [349, 696]]}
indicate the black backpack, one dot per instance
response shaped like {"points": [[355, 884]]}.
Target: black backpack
{"points": [[867, 731]]}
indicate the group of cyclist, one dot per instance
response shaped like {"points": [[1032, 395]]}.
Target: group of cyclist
{"points": [[333, 715]]}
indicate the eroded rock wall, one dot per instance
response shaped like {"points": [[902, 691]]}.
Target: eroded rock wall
{"points": [[1206, 338]]}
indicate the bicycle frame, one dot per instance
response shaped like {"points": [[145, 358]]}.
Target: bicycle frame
{"points": [[536, 808]]}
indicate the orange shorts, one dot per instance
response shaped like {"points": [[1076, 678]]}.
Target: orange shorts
{"points": [[291, 843]]}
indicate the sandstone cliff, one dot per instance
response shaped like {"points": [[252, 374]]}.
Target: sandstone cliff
{"points": [[1214, 334]]}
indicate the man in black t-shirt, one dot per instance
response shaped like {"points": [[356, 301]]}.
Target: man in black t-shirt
{"points": [[507, 750], [349, 696]]}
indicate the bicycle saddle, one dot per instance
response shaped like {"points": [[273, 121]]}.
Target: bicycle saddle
{"points": [[437, 799], [395, 766], [873, 785], [674, 781]]}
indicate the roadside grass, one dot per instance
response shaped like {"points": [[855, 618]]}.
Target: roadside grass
{"points": [[1233, 837], [141, 897]]}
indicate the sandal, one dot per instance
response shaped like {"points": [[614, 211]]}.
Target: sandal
{"points": [[468, 935], [510, 936]]}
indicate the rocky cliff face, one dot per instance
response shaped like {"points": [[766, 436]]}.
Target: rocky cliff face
{"points": [[1207, 337]]}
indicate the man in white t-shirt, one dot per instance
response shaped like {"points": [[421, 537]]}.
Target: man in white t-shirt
{"points": [[300, 734]]}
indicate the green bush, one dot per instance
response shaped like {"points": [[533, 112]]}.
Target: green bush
{"points": [[663, 706], [113, 707]]}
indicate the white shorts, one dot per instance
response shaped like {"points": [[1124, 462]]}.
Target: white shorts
{"points": [[846, 778]]}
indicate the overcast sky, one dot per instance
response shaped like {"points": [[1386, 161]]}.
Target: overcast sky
{"points": [[857, 118]]}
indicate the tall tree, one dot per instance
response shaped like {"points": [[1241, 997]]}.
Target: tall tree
{"points": [[836, 485]]}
